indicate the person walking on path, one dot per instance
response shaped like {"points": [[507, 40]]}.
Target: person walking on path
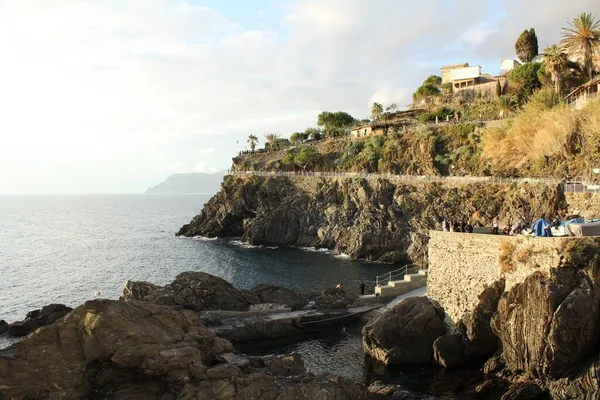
{"points": [[495, 226], [362, 288]]}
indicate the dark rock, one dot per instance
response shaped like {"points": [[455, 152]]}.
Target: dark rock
{"points": [[448, 351], [475, 326], [494, 364], [584, 385], [523, 391], [3, 327], [140, 350], [284, 365], [548, 324], [405, 333], [38, 318], [196, 291], [491, 389], [396, 392], [376, 219], [332, 299], [268, 293]]}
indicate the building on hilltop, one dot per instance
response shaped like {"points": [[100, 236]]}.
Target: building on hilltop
{"points": [[469, 80], [387, 121], [584, 93], [508, 64], [447, 69]]}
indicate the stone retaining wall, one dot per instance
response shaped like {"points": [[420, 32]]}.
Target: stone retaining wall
{"points": [[462, 265], [584, 204]]}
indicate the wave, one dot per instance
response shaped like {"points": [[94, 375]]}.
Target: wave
{"points": [[343, 256], [246, 245], [205, 239]]}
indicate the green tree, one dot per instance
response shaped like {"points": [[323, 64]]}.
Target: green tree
{"points": [[433, 80], [526, 46], [295, 138], [582, 39], [252, 140], [306, 157], [271, 139], [376, 111], [313, 133], [555, 61], [426, 94], [523, 81], [499, 88], [334, 122], [506, 104]]}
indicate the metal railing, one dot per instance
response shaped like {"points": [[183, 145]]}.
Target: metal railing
{"points": [[394, 275], [409, 179], [581, 187]]}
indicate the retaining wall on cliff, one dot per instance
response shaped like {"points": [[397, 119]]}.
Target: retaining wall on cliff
{"points": [[585, 204], [462, 265]]}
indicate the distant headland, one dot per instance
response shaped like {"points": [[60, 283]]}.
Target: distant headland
{"points": [[189, 183]]}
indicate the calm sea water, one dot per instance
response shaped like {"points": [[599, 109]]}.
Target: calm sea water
{"points": [[62, 249]]}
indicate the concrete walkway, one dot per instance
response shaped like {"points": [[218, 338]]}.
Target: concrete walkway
{"points": [[420, 292]]}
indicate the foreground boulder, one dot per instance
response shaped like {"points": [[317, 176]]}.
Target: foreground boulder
{"points": [[267, 293], [196, 291], [548, 324], [449, 351], [37, 318], [405, 333], [140, 350]]}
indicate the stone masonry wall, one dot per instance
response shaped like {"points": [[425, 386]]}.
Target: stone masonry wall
{"points": [[584, 204], [462, 265]]}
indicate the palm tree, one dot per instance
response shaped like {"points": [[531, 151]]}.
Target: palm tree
{"points": [[271, 139], [376, 111], [507, 105], [252, 140], [555, 61], [582, 38]]}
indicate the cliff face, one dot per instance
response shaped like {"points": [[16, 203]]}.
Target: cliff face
{"points": [[373, 219]]}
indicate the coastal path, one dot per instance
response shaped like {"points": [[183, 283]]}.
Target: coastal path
{"points": [[407, 179], [237, 326]]}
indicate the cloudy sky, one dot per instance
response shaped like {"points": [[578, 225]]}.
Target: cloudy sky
{"points": [[113, 96]]}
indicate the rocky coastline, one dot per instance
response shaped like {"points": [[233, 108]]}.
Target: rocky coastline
{"points": [[540, 339], [371, 219]]}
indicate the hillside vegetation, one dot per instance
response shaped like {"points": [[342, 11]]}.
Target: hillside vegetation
{"points": [[546, 139]]}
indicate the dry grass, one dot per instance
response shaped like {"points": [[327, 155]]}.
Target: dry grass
{"points": [[532, 136], [505, 256], [524, 255]]}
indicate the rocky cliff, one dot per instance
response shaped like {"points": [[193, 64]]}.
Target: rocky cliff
{"points": [[540, 337], [373, 219], [139, 350]]}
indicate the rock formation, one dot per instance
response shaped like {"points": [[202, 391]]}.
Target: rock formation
{"points": [[548, 324], [405, 334], [267, 293], [371, 219], [196, 291], [35, 319], [140, 350]]}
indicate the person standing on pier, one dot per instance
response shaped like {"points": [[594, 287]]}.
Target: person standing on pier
{"points": [[362, 288]]}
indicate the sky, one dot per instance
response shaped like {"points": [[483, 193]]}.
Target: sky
{"points": [[113, 96]]}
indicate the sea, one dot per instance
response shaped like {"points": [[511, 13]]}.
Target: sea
{"points": [[72, 248]]}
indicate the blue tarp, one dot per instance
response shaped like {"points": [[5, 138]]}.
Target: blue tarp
{"points": [[572, 221], [541, 228]]}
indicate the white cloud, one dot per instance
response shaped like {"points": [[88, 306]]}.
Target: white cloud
{"points": [[123, 83], [209, 150]]}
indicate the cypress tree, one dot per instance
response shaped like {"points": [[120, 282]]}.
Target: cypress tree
{"points": [[526, 46]]}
